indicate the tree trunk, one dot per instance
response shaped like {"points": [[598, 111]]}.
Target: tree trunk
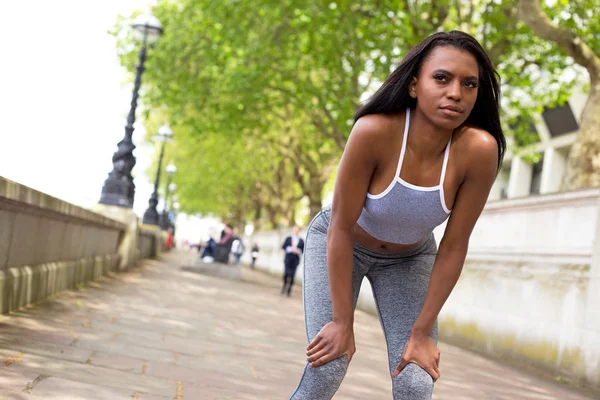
{"points": [[272, 217], [583, 166], [292, 214], [311, 182], [257, 216], [314, 193], [237, 220]]}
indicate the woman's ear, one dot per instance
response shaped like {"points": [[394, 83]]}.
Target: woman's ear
{"points": [[412, 88]]}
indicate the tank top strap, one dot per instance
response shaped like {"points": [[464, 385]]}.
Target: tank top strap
{"points": [[404, 140], [445, 164]]}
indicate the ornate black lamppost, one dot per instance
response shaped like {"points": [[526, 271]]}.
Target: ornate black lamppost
{"points": [[151, 215], [170, 188], [119, 189], [174, 209]]}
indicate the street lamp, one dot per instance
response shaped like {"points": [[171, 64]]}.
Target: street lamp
{"points": [[151, 215], [119, 189], [174, 208], [169, 188]]}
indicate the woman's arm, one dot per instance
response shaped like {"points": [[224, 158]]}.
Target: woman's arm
{"points": [[470, 200], [352, 184]]}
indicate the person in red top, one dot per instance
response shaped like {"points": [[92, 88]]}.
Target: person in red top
{"points": [[169, 243]]}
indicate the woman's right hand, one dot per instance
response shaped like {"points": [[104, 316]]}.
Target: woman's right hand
{"points": [[334, 340]]}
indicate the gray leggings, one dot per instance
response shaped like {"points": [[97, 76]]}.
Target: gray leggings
{"points": [[399, 283]]}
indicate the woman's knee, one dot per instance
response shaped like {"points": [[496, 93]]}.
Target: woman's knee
{"points": [[413, 383], [322, 382]]}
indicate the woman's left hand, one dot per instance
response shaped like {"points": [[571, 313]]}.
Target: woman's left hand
{"points": [[422, 351]]}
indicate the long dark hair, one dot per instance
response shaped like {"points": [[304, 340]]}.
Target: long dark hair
{"points": [[393, 97]]}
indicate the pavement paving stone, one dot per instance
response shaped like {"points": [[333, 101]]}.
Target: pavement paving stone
{"points": [[114, 347], [15, 381], [39, 334], [92, 375], [116, 361], [51, 350], [57, 388], [17, 395], [160, 332]]}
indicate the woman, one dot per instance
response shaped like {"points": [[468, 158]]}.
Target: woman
{"points": [[254, 253], [428, 142]]}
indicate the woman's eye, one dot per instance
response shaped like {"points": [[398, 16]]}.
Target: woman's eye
{"points": [[440, 77], [472, 84]]}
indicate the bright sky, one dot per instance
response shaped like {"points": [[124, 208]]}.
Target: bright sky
{"points": [[64, 98]]}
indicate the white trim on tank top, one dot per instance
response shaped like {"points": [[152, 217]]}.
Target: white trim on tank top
{"points": [[442, 178], [410, 185]]}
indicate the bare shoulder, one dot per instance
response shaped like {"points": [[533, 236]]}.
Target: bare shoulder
{"points": [[478, 144], [375, 127], [371, 135]]}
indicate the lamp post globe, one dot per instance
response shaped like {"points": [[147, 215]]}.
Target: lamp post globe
{"points": [[147, 28], [171, 169], [164, 133], [119, 189]]}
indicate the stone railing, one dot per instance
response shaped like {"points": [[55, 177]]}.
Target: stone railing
{"points": [[48, 245], [530, 287], [151, 242]]}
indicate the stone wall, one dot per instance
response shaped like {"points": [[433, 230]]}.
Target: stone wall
{"points": [[48, 245], [151, 242], [530, 287]]}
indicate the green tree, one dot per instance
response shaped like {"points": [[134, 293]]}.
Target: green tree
{"points": [[574, 26], [235, 178], [291, 74]]}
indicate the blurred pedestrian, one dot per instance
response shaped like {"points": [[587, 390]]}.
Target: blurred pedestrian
{"points": [[294, 247], [226, 235], [254, 254], [237, 249], [170, 239], [209, 248]]}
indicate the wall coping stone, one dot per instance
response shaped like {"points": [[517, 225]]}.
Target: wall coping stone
{"points": [[553, 200], [20, 198]]}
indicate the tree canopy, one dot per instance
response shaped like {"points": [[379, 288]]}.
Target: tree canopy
{"points": [[262, 94]]}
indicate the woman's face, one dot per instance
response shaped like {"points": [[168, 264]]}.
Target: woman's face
{"points": [[447, 85]]}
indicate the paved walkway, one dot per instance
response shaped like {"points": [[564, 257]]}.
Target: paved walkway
{"points": [[163, 333]]}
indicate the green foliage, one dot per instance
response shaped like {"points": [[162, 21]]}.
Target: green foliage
{"points": [[531, 157], [264, 91], [579, 17]]}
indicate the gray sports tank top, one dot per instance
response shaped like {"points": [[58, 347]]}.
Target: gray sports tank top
{"points": [[405, 213]]}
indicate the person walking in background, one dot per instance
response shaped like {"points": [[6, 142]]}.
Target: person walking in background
{"points": [[170, 238], [294, 247], [237, 249], [254, 254]]}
